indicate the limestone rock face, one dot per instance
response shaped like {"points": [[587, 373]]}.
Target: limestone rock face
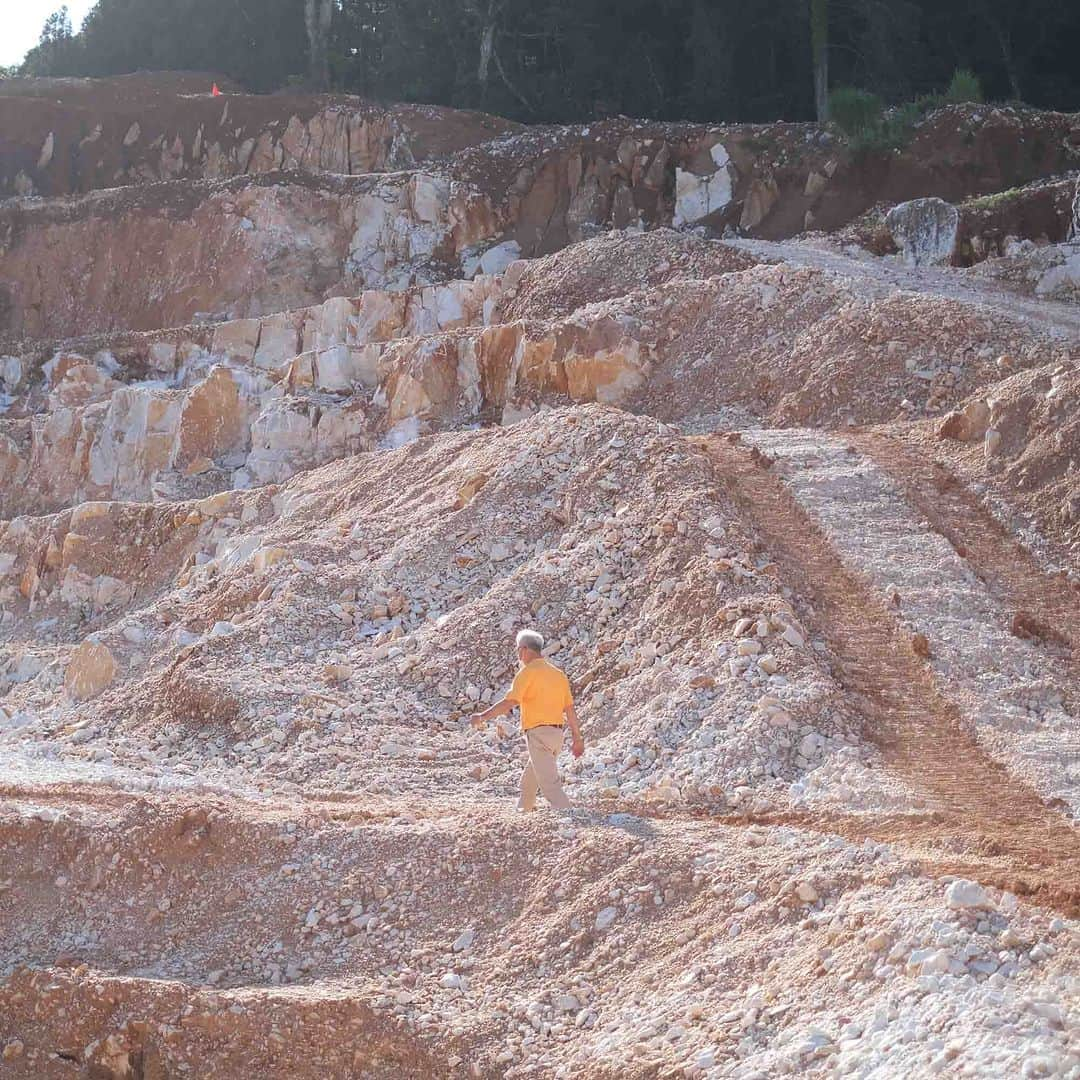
{"points": [[212, 408], [82, 384], [761, 196], [181, 131], [291, 434], [700, 196], [602, 359], [112, 262], [925, 230], [120, 446]]}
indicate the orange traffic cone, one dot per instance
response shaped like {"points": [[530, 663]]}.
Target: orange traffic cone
{"points": [[215, 92]]}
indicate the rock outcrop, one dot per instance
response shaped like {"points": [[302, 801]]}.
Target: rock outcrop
{"points": [[246, 401], [139, 129], [925, 231], [141, 258]]}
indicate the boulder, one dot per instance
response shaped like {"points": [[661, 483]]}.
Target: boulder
{"points": [[697, 197], [1061, 282], [89, 671], [11, 371], [966, 424], [925, 230], [963, 895], [468, 491], [496, 259]]}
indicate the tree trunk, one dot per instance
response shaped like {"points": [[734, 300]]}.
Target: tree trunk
{"points": [[487, 47], [1009, 61], [489, 21], [819, 47], [509, 85], [317, 17]]}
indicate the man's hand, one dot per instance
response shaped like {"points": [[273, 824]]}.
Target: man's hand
{"points": [[577, 747], [479, 719]]}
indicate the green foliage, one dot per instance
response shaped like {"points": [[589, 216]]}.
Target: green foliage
{"points": [[964, 87], [57, 50], [857, 113], [997, 199], [892, 132], [927, 103], [870, 128], [57, 27], [757, 145], [907, 115]]}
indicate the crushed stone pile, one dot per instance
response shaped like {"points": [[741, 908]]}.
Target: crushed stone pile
{"points": [[413, 569]]}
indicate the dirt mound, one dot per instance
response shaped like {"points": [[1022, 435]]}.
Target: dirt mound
{"points": [[1041, 212], [410, 973], [614, 265], [801, 345], [967, 150], [452, 592]]}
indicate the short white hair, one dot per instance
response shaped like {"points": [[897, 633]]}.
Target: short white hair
{"points": [[530, 639]]}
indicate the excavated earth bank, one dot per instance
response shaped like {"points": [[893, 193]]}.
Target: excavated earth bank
{"points": [[308, 405]]}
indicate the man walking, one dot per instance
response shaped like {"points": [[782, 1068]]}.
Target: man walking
{"points": [[542, 692]]}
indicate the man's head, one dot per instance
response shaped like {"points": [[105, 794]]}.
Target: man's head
{"points": [[530, 645]]}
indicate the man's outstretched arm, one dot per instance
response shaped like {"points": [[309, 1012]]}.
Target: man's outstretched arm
{"points": [[578, 745], [501, 708]]}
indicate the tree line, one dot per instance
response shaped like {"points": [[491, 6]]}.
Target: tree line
{"points": [[564, 60]]}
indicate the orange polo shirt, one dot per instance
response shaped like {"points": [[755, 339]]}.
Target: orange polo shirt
{"points": [[543, 693]]}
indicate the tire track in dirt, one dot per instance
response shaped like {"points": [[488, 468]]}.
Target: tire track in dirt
{"points": [[1044, 607], [1010, 685], [919, 731]]}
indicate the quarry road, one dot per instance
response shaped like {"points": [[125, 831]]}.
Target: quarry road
{"points": [[1011, 687], [1045, 606], [885, 276], [925, 736]]}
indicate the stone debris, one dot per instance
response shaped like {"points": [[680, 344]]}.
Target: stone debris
{"points": [[964, 895]]}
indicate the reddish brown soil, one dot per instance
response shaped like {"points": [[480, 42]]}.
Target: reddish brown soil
{"points": [[90, 118]]}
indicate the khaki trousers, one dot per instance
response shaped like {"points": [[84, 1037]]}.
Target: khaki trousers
{"points": [[542, 769]]}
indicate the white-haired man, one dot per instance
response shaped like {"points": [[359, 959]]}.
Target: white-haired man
{"points": [[542, 692]]}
